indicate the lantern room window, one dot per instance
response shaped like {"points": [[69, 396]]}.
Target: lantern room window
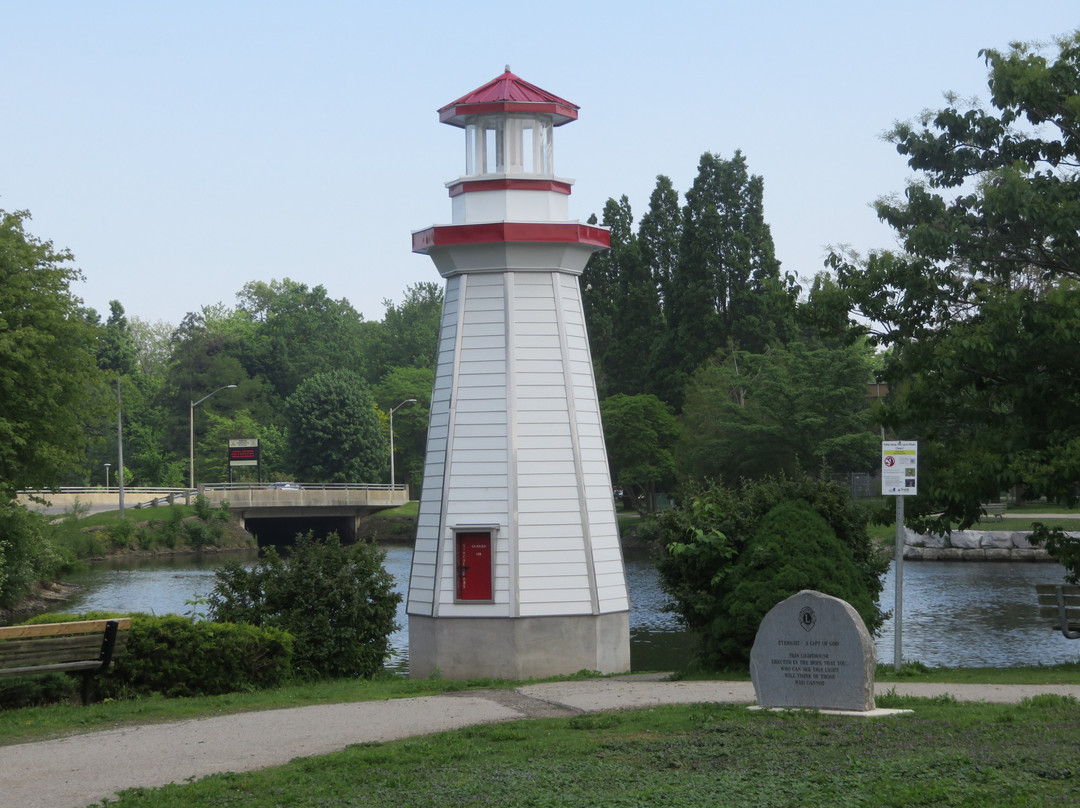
{"points": [[508, 144]]}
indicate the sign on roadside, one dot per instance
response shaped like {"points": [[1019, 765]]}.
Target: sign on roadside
{"points": [[899, 468]]}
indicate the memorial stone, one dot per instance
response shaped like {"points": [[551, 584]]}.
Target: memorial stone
{"points": [[813, 651]]}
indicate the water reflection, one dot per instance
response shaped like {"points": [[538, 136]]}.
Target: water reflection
{"points": [[974, 614], [956, 614]]}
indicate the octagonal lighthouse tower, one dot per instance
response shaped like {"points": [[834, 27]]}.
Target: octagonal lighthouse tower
{"points": [[517, 570]]}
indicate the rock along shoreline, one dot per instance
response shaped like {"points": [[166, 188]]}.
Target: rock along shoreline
{"points": [[974, 545]]}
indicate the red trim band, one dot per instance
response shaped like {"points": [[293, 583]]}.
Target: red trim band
{"points": [[455, 113], [516, 184], [452, 235]]}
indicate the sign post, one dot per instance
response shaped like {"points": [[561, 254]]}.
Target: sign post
{"points": [[899, 478]]}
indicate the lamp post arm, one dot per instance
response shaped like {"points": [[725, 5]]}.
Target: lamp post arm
{"points": [[191, 432], [392, 411]]}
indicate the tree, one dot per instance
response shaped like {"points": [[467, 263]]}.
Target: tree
{"points": [[47, 361], [788, 409], [659, 234], [726, 288], [747, 539], [335, 433], [409, 333], [410, 421], [151, 343], [293, 332], [981, 307], [338, 602], [639, 432], [116, 349], [600, 280], [220, 429], [622, 307]]}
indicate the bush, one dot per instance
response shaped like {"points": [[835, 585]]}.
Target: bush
{"points": [[731, 554], [338, 602], [175, 656], [37, 691], [793, 549], [28, 552]]}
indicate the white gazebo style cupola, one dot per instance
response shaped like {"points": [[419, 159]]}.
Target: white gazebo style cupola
{"points": [[517, 570]]}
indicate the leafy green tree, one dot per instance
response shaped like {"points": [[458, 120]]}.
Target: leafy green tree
{"points": [[150, 341], [47, 361], [724, 545], [294, 332], [788, 409], [116, 349], [981, 306], [639, 432], [338, 602], [28, 552], [334, 430], [408, 336], [410, 421], [220, 429]]}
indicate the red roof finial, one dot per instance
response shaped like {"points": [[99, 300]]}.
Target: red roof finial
{"points": [[508, 93]]}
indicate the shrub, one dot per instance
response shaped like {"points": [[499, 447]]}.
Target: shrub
{"points": [[793, 549], [338, 602], [175, 656], [37, 691], [731, 554], [28, 552]]}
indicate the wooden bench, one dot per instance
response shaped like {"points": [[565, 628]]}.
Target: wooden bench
{"points": [[83, 646], [994, 510], [1061, 603]]}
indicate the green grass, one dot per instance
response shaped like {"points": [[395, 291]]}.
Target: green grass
{"points": [[136, 516], [943, 753]]}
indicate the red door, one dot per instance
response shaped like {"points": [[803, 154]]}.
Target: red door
{"points": [[474, 566]]}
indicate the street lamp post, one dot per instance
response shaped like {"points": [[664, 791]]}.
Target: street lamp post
{"points": [[392, 411], [191, 432], [107, 465]]}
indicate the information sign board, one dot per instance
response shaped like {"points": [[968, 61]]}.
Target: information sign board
{"points": [[244, 452], [899, 468]]}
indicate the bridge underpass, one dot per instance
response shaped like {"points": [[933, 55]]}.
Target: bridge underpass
{"points": [[275, 516], [282, 527]]}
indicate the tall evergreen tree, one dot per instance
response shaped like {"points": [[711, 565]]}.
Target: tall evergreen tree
{"points": [[633, 304], [659, 235], [726, 288]]}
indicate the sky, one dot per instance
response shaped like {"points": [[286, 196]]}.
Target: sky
{"points": [[183, 149]]}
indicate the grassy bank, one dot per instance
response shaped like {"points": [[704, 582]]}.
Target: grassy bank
{"points": [[700, 755]]}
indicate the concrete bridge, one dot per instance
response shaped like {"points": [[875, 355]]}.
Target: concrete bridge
{"points": [[274, 515]]}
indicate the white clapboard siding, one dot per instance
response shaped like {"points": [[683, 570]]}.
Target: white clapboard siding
{"points": [[515, 443]]}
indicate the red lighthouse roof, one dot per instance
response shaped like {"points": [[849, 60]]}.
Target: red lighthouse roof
{"points": [[508, 93]]}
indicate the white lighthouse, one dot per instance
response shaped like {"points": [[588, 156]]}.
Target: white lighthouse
{"points": [[517, 570]]}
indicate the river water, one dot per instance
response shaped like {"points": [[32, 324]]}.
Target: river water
{"points": [[956, 614]]}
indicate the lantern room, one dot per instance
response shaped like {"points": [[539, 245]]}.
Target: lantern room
{"points": [[509, 126]]}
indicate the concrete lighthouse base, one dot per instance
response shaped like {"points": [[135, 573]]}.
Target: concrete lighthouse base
{"points": [[518, 648]]}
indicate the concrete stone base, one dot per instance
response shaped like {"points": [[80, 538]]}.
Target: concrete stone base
{"points": [[518, 648]]}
